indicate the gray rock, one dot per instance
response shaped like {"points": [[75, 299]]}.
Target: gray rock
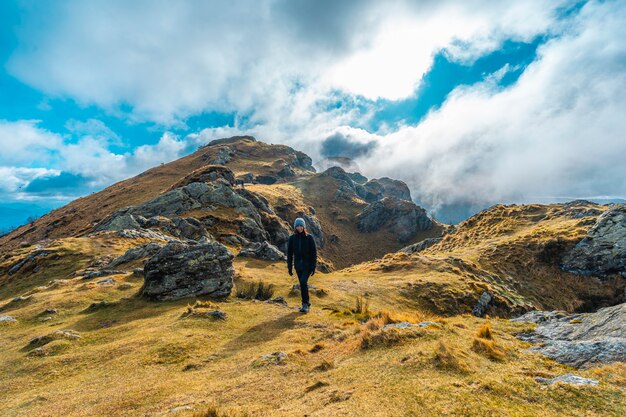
{"points": [[480, 308], [108, 281], [7, 319], [50, 311], [101, 273], [30, 258], [263, 250], [181, 270], [266, 179], [568, 379], [401, 217], [579, 340], [357, 178], [220, 157], [603, 250], [145, 234], [137, 253], [277, 358], [406, 325], [420, 246], [56, 335], [278, 300]]}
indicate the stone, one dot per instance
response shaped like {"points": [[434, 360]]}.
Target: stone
{"points": [[50, 311], [568, 379], [181, 270], [101, 273], [403, 218], [406, 325], [263, 250], [108, 281], [276, 358], [420, 246], [480, 308], [27, 260], [56, 335], [97, 306], [579, 340], [603, 250], [278, 300], [266, 179], [7, 319]]}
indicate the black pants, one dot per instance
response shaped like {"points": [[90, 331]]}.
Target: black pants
{"points": [[303, 277]]}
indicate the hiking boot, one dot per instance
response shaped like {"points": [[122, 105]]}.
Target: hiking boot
{"points": [[305, 308]]}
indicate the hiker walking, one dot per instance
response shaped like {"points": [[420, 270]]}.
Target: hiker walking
{"points": [[302, 253]]}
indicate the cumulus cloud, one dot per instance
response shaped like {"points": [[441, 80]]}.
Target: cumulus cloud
{"points": [[74, 164], [558, 131], [168, 60]]}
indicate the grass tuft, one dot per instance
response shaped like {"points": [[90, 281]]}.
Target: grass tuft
{"points": [[450, 359], [255, 291]]}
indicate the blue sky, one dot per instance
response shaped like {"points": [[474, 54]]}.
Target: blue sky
{"points": [[471, 103]]}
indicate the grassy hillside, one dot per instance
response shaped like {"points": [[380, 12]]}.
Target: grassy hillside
{"points": [[136, 357]]}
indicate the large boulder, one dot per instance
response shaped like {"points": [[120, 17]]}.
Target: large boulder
{"points": [[579, 340], [603, 250], [181, 270], [403, 218]]}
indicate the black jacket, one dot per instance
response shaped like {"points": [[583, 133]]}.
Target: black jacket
{"points": [[301, 252]]}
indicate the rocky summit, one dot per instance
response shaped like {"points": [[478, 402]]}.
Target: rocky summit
{"points": [[168, 294]]}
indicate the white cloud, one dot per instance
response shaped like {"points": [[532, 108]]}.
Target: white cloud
{"points": [[560, 130], [86, 153], [170, 60]]}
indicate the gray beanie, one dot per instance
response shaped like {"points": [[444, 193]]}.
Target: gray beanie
{"points": [[299, 222]]}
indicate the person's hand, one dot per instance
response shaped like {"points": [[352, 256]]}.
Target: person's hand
{"points": [[290, 273]]}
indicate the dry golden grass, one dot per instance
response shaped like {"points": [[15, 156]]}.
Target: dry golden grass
{"points": [[137, 358]]}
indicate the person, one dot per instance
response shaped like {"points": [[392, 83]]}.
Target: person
{"points": [[302, 253]]}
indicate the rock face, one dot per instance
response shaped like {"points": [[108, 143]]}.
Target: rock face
{"points": [[579, 340], [263, 250], [402, 217], [208, 173], [420, 246], [181, 270], [377, 189], [603, 251]]}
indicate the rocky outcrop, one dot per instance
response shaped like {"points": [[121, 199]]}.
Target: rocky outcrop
{"points": [[208, 173], [377, 189], [603, 250], [579, 340], [420, 246], [263, 250], [181, 270], [163, 212], [401, 217]]}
